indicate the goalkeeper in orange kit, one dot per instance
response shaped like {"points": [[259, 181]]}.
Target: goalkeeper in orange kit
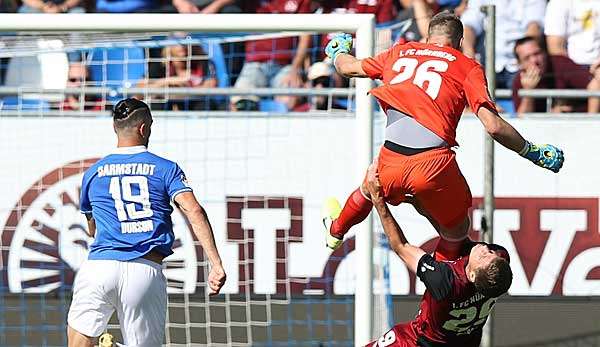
{"points": [[425, 89]]}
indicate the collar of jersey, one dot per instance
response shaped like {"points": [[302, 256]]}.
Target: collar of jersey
{"points": [[130, 150]]}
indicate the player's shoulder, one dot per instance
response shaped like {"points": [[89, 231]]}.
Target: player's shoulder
{"points": [[449, 53], [402, 45], [437, 276], [159, 161], [92, 169], [466, 61], [98, 164]]}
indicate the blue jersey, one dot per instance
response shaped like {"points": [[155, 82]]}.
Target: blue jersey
{"points": [[129, 194]]}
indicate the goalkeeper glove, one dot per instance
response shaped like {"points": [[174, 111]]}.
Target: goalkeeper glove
{"points": [[546, 156], [340, 43]]}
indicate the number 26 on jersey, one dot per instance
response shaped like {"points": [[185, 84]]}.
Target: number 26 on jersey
{"points": [[425, 75]]}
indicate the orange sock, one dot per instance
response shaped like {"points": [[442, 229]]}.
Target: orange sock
{"points": [[356, 209]]}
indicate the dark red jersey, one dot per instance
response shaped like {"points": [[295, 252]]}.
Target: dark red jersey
{"points": [[452, 312], [429, 82], [383, 10], [280, 50]]}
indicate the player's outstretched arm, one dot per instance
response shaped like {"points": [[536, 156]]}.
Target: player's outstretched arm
{"points": [[546, 156], [407, 252], [201, 226], [338, 50]]}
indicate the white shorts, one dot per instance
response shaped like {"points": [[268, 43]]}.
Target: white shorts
{"points": [[136, 289]]}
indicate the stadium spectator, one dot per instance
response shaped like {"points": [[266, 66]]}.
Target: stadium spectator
{"points": [[419, 13], [244, 102], [383, 10], [572, 29], [51, 6], [183, 66], [515, 19], [131, 6], [279, 62], [456, 6], [213, 6], [293, 103], [538, 70], [322, 75], [77, 77], [8, 6]]}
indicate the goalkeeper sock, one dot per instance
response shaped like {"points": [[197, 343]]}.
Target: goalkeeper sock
{"points": [[356, 209], [449, 249]]}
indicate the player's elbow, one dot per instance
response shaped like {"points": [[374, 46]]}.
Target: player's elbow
{"points": [[493, 128], [195, 213], [491, 121]]}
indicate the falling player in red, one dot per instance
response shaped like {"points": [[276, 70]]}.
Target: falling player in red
{"points": [[460, 294], [425, 89]]}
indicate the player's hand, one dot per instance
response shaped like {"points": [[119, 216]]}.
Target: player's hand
{"points": [[216, 279], [546, 156], [373, 184], [340, 43]]}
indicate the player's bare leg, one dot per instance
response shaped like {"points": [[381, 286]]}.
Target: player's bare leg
{"points": [[77, 339], [452, 240]]}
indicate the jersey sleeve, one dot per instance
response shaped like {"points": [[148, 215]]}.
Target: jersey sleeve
{"points": [[373, 66], [85, 206], [437, 276], [476, 91], [176, 182]]}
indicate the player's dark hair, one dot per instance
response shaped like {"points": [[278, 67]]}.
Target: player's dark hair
{"points": [[447, 24], [495, 279], [524, 40], [130, 113]]}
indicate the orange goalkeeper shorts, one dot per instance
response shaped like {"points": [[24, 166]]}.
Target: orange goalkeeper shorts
{"points": [[432, 177]]}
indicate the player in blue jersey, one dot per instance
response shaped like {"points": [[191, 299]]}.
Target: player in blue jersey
{"points": [[126, 197]]}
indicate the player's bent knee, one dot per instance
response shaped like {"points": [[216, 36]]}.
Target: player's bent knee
{"points": [[458, 232], [77, 339]]}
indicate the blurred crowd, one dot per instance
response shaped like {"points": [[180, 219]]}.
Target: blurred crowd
{"points": [[540, 44]]}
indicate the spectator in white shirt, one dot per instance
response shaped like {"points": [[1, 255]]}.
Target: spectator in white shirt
{"points": [[572, 29], [514, 19]]}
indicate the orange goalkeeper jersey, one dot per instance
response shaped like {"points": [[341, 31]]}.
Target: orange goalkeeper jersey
{"points": [[429, 82]]}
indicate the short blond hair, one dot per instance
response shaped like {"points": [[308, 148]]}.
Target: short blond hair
{"points": [[446, 24]]}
